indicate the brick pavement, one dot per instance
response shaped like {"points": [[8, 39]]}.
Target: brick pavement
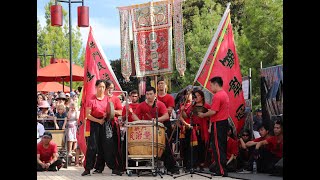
{"points": [[74, 173]]}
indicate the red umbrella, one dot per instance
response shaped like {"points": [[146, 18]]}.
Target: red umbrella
{"points": [[60, 72], [51, 87]]}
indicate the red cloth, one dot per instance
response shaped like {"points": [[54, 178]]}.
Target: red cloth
{"points": [[146, 112], [276, 145], [232, 147], [46, 154], [220, 104], [222, 60], [133, 106], [261, 139]]}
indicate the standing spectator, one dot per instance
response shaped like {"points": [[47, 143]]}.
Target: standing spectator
{"points": [[40, 131], [61, 99], [60, 118], [71, 131], [47, 154], [219, 114], [257, 119], [46, 114]]}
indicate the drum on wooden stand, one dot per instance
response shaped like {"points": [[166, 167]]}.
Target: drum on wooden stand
{"points": [[140, 138]]}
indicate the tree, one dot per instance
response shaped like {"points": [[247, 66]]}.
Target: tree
{"points": [[262, 39], [55, 40], [126, 86], [200, 20]]}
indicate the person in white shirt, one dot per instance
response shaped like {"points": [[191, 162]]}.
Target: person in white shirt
{"points": [[40, 131]]}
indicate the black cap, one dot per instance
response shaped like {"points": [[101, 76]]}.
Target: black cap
{"points": [[47, 133]]}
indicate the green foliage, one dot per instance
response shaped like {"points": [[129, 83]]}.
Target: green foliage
{"points": [[200, 20], [126, 86], [55, 41], [262, 39]]}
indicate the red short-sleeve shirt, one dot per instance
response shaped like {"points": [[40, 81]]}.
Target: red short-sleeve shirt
{"points": [[46, 154], [133, 107], [220, 104], [146, 112], [167, 100], [232, 148], [275, 145]]}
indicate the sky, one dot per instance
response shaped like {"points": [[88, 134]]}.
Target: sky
{"points": [[103, 18]]}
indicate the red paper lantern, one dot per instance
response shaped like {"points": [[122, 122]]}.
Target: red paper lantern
{"points": [[83, 16], [56, 15]]}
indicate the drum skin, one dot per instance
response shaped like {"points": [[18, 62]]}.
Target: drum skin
{"points": [[140, 138]]}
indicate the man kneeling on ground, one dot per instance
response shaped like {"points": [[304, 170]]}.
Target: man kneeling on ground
{"points": [[47, 154]]}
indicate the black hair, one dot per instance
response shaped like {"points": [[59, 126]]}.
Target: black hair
{"points": [[108, 83], [201, 94], [279, 121], [218, 80], [231, 129], [150, 88], [100, 81], [265, 126], [133, 92]]}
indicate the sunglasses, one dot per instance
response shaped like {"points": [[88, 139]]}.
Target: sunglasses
{"points": [[245, 134], [46, 137]]}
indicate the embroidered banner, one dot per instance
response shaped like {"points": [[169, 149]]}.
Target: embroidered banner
{"points": [[126, 67], [152, 38], [222, 60], [179, 49]]}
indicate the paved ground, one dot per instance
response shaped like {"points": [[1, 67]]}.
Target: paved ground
{"points": [[74, 173]]}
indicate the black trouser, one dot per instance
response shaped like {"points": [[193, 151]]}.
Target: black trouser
{"points": [[111, 154], [199, 151], [167, 156], [94, 145], [265, 162], [219, 131], [52, 167]]}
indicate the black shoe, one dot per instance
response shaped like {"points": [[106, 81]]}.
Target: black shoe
{"points": [[86, 173], [54, 168], [212, 167], [216, 174], [116, 172], [97, 171]]}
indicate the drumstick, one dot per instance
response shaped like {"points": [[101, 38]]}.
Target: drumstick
{"points": [[148, 115]]}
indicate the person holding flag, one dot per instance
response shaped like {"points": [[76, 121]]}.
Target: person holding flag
{"points": [[111, 137], [218, 113], [95, 113]]}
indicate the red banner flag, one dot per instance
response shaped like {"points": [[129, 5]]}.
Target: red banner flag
{"points": [[222, 60], [96, 66]]}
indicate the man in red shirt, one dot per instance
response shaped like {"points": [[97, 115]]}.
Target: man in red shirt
{"points": [[146, 111], [162, 96], [47, 154], [275, 145], [134, 98], [218, 114]]}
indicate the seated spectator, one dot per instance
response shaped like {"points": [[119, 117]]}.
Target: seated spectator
{"points": [[60, 118], [40, 131], [265, 153], [232, 151], [47, 154], [275, 144], [244, 152]]}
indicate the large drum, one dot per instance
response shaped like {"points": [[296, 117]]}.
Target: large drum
{"points": [[140, 138]]}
